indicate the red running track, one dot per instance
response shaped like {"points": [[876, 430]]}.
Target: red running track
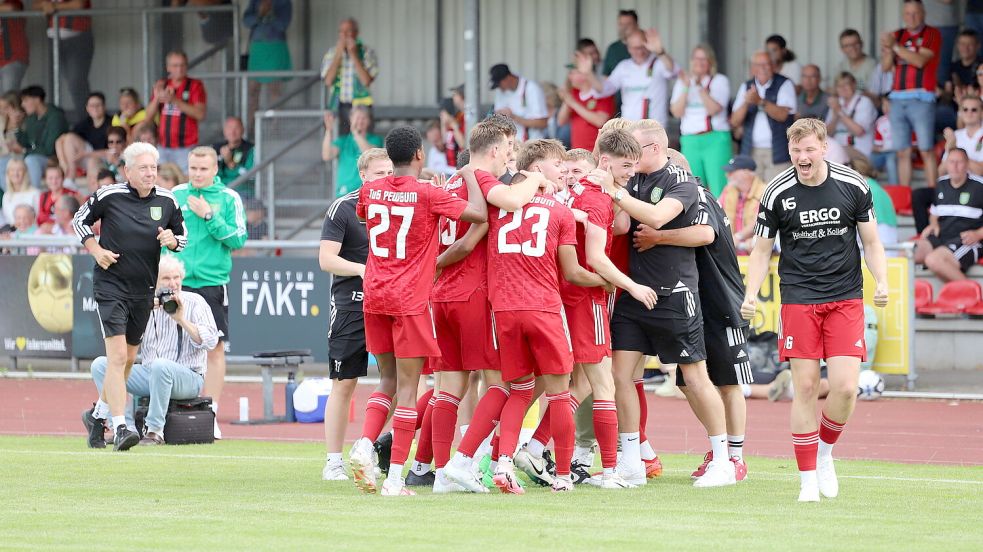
{"points": [[928, 432]]}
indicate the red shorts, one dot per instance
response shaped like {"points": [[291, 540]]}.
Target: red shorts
{"points": [[428, 365], [464, 334], [823, 330], [408, 336], [590, 331], [532, 343]]}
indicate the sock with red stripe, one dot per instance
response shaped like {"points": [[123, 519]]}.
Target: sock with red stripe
{"points": [[520, 396], [643, 409], [806, 446], [376, 413], [424, 442], [606, 432], [444, 422], [543, 434], [489, 410], [494, 446], [562, 427], [421, 407], [404, 426], [829, 432]]}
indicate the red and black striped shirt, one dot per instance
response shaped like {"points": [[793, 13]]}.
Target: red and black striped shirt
{"points": [[77, 23], [909, 77], [13, 37], [176, 129]]}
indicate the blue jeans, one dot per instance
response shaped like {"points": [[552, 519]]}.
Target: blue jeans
{"points": [[912, 114], [161, 380], [35, 167], [886, 160]]}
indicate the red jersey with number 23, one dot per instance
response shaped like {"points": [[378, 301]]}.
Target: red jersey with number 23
{"points": [[401, 217], [591, 199], [460, 280], [523, 271]]}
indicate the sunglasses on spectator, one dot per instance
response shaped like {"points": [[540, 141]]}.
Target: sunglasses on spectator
{"points": [[969, 109]]}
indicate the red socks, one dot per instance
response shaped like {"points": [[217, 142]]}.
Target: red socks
{"points": [[404, 426], [561, 424], [806, 447], [520, 396], [486, 413], [829, 431], [424, 443], [444, 423], [606, 432], [421, 407], [376, 413], [643, 410], [544, 431]]}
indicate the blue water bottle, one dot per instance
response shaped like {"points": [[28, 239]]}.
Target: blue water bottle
{"points": [[291, 387]]}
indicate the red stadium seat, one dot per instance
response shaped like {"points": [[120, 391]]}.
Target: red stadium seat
{"points": [[975, 311], [900, 197], [923, 294], [955, 298]]}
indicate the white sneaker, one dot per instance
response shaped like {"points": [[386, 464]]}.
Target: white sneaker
{"points": [[809, 493], [634, 475], [218, 431], [826, 474], [395, 489], [362, 462], [534, 467], [609, 481], [562, 485], [463, 476], [442, 485], [719, 474], [585, 458], [334, 471]]}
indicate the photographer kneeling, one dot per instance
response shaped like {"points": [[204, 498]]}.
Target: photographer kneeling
{"points": [[179, 335]]}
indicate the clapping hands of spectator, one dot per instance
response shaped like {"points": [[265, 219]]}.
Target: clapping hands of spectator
{"points": [[226, 153], [752, 96], [950, 138], [351, 46], [834, 104], [653, 41], [684, 78]]}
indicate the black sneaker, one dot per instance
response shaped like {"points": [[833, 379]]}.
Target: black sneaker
{"points": [[383, 448], [550, 464], [425, 480], [125, 439], [96, 429], [579, 473]]}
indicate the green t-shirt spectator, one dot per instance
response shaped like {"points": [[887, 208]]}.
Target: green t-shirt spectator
{"points": [[38, 134], [348, 151], [883, 206], [241, 162]]}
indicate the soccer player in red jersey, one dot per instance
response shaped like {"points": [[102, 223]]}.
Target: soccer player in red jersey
{"points": [[402, 214]]}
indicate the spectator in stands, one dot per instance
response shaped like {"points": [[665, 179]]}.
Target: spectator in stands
{"points": [[865, 69], [554, 128], [436, 156], [963, 72], [740, 199], [267, 21], [145, 132], [75, 48], [452, 124], [783, 60], [813, 100], [589, 48], [763, 110], [87, 137], [181, 103], [14, 49], [618, 50], [25, 219], [169, 175], [43, 125], [943, 15], [173, 354], [970, 137], [851, 118], [521, 100], [348, 147], [583, 110], [19, 190], [11, 117], [110, 159], [699, 100], [642, 79], [235, 156], [216, 28], [887, 219], [883, 156], [106, 177], [131, 113], [54, 179], [65, 209], [950, 244], [256, 227], [912, 52], [348, 70]]}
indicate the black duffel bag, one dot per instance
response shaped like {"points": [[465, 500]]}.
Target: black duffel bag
{"points": [[189, 421]]}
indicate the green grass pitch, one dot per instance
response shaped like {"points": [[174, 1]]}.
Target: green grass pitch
{"points": [[245, 495]]}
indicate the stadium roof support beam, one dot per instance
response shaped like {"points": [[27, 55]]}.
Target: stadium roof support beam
{"points": [[472, 35]]}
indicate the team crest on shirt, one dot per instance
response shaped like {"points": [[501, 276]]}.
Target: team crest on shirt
{"points": [[156, 213], [591, 104], [964, 198], [656, 194]]}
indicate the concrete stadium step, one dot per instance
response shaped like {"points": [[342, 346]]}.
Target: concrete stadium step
{"points": [[948, 344]]}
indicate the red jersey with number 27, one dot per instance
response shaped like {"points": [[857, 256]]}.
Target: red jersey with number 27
{"points": [[460, 280], [401, 217], [591, 199], [523, 271]]}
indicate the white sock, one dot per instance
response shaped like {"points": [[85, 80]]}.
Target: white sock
{"points": [[464, 429], [535, 448], [395, 474], [718, 444], [420, 468], [648, 453], [101, 410], [215, 407], [493, 465], [746, 389], [735, 446], [486, 446], [608, 471], [583, 455], [825, 449], [630, 449], [118, 421], [461, 459], [334, 458], [808, 478], [439, 473]]}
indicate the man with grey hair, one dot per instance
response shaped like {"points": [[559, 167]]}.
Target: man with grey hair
{"points": [[138, 218], [181, 330], [348, 70], [216, 223]]}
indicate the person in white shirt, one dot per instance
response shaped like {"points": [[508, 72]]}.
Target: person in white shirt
{"points": [[699, 100], [763, 110], [970, 137], [436, 152], [521, 100], [19, 189], [883, 157], [851, 117], [871, 81], [643, 79]]}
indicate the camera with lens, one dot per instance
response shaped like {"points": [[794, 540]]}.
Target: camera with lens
{"points": [[165, 298]]}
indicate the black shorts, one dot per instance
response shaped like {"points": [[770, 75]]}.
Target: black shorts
{"points": [[967, 255], [346, 345], [728, 362], [124, 316], [673, 330], [217, 298]]}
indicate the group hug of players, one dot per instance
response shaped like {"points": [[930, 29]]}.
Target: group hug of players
{"points": [[560, 279]]}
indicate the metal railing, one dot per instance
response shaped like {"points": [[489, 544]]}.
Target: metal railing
{"points": [[16, 245]]}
